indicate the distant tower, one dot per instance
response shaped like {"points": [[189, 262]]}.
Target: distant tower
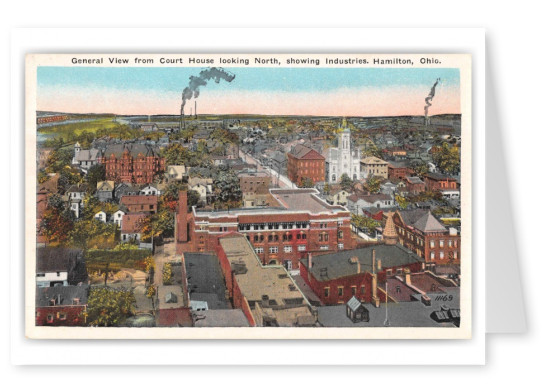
{"points": [[77, 148]]}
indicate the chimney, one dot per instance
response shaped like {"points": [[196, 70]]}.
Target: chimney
{"points": [[375, 298], [359, 266], [309, 261], [407, 276], [181, 217], [195, 109], [379, 266]]}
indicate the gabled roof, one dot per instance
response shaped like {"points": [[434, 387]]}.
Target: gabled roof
{"points": [[139, 199], [421, 219], [132, 223], [353, 303], [56, 259], [106, 186], [303, 152]]}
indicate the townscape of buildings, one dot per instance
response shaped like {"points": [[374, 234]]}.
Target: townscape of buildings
{"points": [[252, 222]]}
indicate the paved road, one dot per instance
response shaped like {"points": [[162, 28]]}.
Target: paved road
{"points": [[283, 182]]}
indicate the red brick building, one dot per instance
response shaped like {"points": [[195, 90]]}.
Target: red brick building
{"points": [[438, 182], [414, 185], [304, 162], [140, 203], [419, 231], [361, 273], [132, 163], [284, 234], [399, 170], [61, 305]]}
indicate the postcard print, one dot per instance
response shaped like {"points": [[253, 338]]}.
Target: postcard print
{"points": [[248, 196]]}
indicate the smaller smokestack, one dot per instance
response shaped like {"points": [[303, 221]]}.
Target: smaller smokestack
{"points": [[309, 261], [195, 109], [379, 266]]}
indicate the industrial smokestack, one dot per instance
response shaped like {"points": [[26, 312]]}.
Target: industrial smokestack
{"points": [[195, 82], [195, 109], [428, 101]]}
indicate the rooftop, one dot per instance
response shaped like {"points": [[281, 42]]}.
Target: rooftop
{"points": [[220, 318], [402, 314], [55, 259], [291, 200], [205, 280], [273, 291], [343, 263], [63, 295]]}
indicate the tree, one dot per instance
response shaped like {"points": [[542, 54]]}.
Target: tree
{"points": [[401, 201], [326, 188], [307, 183], [93, 234], [346, 182], [108, 306], [167, 273], [95, 174], [373, 184], [420, 168], [447, 158], [175, 154], [226, 186], [57, 221]]}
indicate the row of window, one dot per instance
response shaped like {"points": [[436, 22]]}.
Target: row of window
{"points": [[270, 226], [451, 255], [451, 243], [275, 249], [340, 291]]}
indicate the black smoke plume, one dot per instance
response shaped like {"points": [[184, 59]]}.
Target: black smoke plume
{"points": [[195, 82], [429, 97]]}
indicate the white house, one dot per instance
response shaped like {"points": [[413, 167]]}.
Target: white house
{"points": [[85, 158], [101, 216], [150, 190], [118, 215], [382, 201]]}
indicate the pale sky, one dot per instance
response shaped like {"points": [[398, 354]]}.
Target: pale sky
{"points": [[275, 91]]}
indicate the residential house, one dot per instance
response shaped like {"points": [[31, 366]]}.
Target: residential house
{"points": [[61, 305], [75, 196], [131, 227], [119, 214], [150, 190], [388, 188], [124, 189], [101, 216], [104, 190], [337, 196], [59, 266], [176, 173], [149, 127], [358, 202], [203, 186]]}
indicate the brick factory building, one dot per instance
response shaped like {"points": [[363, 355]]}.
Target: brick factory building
{"points": [[132, 163], [303, 163], [283, 234]]}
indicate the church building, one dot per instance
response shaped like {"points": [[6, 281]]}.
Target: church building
{"points": [[343, 159]]}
